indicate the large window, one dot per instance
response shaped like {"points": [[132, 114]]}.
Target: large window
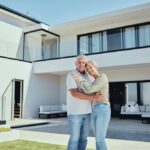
{"points": [[41, 45], [129, 37], [138, 93], [131, 93], [84, 45], [145, 93], [115, 39], [144, 35], [96, 42]]}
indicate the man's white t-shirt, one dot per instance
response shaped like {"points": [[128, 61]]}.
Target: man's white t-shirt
{"points": [[76, 106]]}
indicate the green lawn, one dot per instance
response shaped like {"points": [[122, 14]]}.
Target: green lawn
{"points": [[29, 145]]}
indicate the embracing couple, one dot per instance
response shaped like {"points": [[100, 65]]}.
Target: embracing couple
{"points": [[87, 102]]}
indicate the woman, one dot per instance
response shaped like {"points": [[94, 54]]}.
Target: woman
{"points": [[100, 116]]}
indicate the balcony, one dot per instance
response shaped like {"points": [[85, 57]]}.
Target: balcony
{"points": [[40, 44], [113, 60]]}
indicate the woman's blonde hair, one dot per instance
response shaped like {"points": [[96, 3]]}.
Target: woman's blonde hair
{"points": [[91, 62]]}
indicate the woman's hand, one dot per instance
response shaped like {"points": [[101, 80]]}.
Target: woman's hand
{"points": [[76, 77], [98, 97]]}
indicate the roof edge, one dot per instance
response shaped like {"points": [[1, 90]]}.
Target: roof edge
{"points": [[103, 15], [19, 14]]}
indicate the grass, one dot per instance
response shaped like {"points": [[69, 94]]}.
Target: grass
{"points": [[2, 129], [29, 145]]}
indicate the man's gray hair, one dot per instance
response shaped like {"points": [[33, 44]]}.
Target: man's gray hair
{"points": [[82, 57]]}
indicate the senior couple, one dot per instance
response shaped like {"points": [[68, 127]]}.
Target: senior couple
{"points": [[87, 101]]}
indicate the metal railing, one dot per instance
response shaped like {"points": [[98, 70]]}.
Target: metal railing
{"points": [[7, 101], [11, 49]]}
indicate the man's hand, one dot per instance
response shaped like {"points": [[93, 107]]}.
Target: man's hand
{"points": [[92, 97], [74, 92], [79, 95]]}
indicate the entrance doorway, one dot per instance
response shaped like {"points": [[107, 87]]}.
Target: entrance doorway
{"points": [[18, 98], [117, 97]]}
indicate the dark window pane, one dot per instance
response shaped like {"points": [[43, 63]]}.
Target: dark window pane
{"points": [[114, 39]]}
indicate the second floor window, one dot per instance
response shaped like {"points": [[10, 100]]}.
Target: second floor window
{"points": [[115, 39], [84, 45], [129, 37], [144, 35], [97, 42]]}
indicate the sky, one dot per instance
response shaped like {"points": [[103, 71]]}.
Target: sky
{"points": [[59, 11]]}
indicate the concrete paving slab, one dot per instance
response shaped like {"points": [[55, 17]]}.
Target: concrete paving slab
{"points": [[16, 123], [62, 139]]}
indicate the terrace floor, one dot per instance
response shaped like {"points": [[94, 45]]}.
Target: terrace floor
{"points": [[126, 129], [122, 133]]}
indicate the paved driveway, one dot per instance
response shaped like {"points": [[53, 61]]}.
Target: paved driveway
{"points": [[125, 129]]}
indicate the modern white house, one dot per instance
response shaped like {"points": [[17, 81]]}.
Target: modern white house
{"points": [[35, 58]]}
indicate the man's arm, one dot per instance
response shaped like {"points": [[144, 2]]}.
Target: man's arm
{"points": [[90, 97]]}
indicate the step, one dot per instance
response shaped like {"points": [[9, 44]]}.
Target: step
{"points": [[17, 108], [16, 115], [17, 112]]}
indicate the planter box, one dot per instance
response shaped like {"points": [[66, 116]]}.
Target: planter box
{"points": [[10, 135]]}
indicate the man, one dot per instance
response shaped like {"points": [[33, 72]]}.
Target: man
{"points": [[78, 110]]}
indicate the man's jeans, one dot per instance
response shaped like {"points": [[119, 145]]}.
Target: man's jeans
{"points": [[100, 118], [78, 130]]}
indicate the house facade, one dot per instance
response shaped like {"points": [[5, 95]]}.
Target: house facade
{"points": [[35, 58]]}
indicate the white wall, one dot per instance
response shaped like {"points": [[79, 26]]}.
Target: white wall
{"points": [[113, 76], [42, 90], [63, 89], [13, 69], [13, 19], [68, 45], [10, 40], [107, 60], [123, 58], [38, 90], [128, 74]]}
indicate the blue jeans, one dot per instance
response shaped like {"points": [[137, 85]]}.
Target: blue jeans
{"points": [[78, 130], [100, 118]]}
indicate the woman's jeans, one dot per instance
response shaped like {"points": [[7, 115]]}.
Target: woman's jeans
{"points": [[100, 118], [78, 130]]}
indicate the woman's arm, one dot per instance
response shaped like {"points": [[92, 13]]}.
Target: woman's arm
{"points": [[87, 89], [95, 87]]}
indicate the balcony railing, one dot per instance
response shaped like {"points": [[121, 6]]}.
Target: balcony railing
{"points": [[7, 102], [11, 50]]}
